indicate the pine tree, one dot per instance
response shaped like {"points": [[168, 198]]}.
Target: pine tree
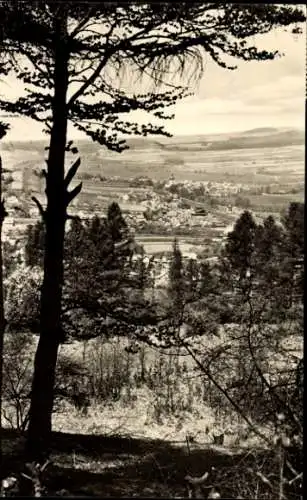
{"points": [[116, 223], [268, 244], [294, 223], [176, 288], [99, 279], [57, 49], [240, 246], [293, 252], [34, 247], [269, 238]]}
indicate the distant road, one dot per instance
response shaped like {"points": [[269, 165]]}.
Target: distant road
{"points": [[163, 238]]}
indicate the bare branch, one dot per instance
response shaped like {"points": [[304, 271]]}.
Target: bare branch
{"points": [[72, 172], [107, 54], [40, 207], [225, 393], [70, 195], [82, 23]]}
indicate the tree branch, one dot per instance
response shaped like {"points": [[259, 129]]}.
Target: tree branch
{"points": [[82, 23], [70, 195], [225, 393], [40, 208], [72, 172]]}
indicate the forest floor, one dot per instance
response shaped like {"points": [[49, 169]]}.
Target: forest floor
{"points": [[110, 466]]}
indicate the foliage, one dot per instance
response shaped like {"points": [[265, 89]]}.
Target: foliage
{"points": [[102, 284], [293, 252], [12, 257], [109, 371], [249, 366], [18, 370], [176, 281], [239, 247], [116, 223], [22, 298], [34, 248]]}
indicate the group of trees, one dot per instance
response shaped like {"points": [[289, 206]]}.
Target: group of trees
{"points": [[236, 317], [100, 274], [69, 57], [103, 270], [265, 260], [101, 265]]}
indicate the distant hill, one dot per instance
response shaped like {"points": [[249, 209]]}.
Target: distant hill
{"points": [[254, 138], [261, 130], [185, 157]]}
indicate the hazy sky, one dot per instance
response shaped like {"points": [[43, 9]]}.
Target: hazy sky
{"points": [[257, 94]]}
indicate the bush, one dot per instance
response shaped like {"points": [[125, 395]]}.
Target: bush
{"points": [[17, 377], [109, 370], [71, 383], [22, 298]]}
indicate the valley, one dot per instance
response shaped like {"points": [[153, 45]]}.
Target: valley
{"points": [[193, 187]]}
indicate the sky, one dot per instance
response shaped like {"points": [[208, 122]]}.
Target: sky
{"points": [[257, 94]]}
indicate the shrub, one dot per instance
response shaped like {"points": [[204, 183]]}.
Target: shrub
{"points": [[17, 376], [109, 370], [22, 298]]}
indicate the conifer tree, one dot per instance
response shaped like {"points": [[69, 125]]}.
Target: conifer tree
{"points": [[267, 267], [293, 252], [176, 286], [34, 247], [116, 223], [240, 246]]}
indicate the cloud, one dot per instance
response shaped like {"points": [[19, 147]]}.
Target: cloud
{"points": [[285, 87], [270, 93], [285, 94], [218, 82]]}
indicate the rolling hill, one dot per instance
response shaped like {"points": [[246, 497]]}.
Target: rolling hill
{"points": [[201, 157], [258, 137]]}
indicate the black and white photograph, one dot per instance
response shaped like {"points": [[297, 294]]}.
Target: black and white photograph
{"points": [[152, 249]]}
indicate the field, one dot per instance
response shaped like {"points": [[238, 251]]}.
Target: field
{"points": [[259, 163], [275, 201], [275, 157], [154, 244]]}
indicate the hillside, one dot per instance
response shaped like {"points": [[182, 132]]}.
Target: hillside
{"points": [[258, 137]]}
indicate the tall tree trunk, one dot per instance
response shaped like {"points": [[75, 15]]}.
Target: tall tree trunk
{"points": [[40, 422], [2, 319]]}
